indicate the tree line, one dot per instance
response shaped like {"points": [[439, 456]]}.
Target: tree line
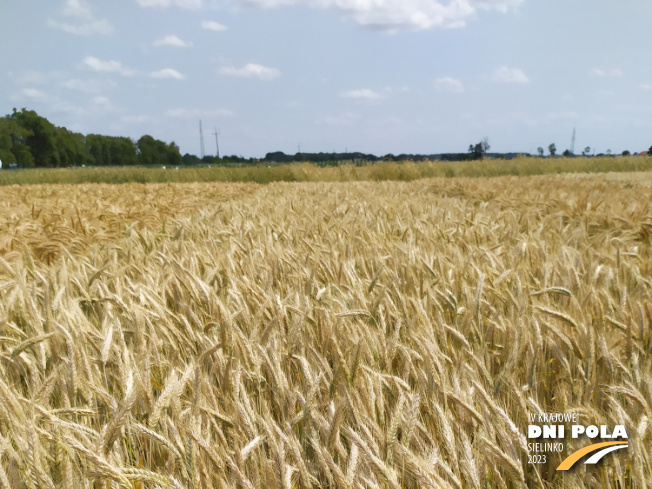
{"points": [[31, 141], [28, 140]]}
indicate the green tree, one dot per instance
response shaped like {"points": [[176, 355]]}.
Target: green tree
{"points": [[110, 150], [479, 150], [97, 150], [154, 152], [552, 148], [71, 148], [173, 154], [540, 151], [13, 145], [41, 139], [122, 151], [189, 159], [5, 141]]}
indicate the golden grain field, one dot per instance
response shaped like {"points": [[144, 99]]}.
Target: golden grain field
{"points": [[322, 335]]}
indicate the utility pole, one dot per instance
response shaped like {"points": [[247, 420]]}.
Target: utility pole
{"points": [[201, 140], [572, 148], [217, 144]]}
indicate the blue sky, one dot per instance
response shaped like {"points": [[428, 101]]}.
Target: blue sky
{"points": [[378, 76]]}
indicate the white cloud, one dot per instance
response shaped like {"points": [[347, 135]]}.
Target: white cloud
{"points": [[196, 113], [211, 25], [449, 84], [646, 86], [251, 70], [167, 73], [96, 64], [396, 15], [34, 94], [77, 8], [613, 73], [173, 41], [84, 29], [102, 101], [82, 22], [363, 93], [500, 5], [509, 75], [185, 4]]}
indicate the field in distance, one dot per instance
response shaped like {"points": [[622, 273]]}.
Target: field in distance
{"points": [[306, 172], [322, 334]]}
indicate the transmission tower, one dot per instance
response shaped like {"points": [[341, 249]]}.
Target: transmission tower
{"points": [[217, 144], [201, 140], [572, 148]]}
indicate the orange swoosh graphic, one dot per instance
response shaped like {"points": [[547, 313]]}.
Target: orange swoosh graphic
{"points": [[575, 456]]}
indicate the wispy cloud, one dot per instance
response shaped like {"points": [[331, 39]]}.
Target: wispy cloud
{"points": [[173, 41], [500, 5], [398, 15], [167, 73], [509, 75], [102, 101], [77, 8], [363, 94], [85, 29], [602, 73], [101, 66], [211, 25], [185, 4], [79, 20], [251, 70], [33, 93], [87, 86], [449, 84]]}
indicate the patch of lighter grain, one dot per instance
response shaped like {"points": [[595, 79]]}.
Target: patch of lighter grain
{"points": [[106, 346], [163, 400], [641, 429], [251, 446], [352, 464]]}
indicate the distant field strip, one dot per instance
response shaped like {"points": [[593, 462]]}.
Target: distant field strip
{"points": [[306, 172], [323, 334]]}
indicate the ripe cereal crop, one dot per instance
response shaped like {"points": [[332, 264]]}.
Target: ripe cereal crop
{"points": [[379, 334]]}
